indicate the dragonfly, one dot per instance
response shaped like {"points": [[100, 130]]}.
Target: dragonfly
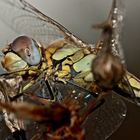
{"points": [[48, 60]]}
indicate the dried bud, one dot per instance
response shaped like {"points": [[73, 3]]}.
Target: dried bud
{"points": [[107, 70]]}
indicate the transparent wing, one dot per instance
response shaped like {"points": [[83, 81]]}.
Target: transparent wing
{"points": [[100, 124], [104, 120], [23, 18]]}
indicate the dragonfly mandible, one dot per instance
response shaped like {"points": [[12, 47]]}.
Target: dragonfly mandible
{"points": [[49, 59]]}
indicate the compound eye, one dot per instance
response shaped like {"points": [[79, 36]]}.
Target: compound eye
{"points": [[27, 49]]}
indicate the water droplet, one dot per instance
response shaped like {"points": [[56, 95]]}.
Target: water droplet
{"points": [[87, 96], [123, 114], [75, 98], [85, 103], [73, 91], [115, 10], [120, 17], [114, 21]]}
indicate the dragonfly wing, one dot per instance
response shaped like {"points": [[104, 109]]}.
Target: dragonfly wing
{"points": [[23, 18], [100, 124], [104, 120]]}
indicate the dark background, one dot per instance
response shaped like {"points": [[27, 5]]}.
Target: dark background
{"points": [[78, 16]]}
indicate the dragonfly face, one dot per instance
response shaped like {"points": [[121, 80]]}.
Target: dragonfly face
{"points": [[61, 63], [22, 52], [27, 49]]}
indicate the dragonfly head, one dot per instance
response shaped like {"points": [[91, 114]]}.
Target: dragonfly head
{"points": [[27, 49]]}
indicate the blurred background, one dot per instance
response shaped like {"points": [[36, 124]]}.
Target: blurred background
{"points": [[78, 16]]}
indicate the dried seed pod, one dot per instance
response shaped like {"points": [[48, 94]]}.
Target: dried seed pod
{"points": [[108, 70]]}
